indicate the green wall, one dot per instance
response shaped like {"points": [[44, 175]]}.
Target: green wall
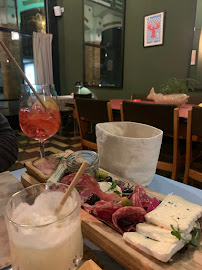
{"points": [[143, 67]]}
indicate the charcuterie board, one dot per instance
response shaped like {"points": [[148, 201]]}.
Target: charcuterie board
{"points": [[131, 258], [89, 265]]}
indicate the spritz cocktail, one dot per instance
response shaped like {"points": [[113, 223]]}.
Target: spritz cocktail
{"points": [[36, 121]]}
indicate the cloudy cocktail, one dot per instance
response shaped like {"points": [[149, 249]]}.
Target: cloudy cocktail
{"points": [[38, 239]]}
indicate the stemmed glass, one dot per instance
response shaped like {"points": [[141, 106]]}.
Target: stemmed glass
{"points": [[36, 121]]}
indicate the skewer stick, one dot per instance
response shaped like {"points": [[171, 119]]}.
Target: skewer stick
{"points": [[71, 187], [21, 72]]}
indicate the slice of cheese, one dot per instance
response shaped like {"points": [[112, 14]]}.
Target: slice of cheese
{"points": [[174, 210], [159, 250], [105, 187], [159, 234]]}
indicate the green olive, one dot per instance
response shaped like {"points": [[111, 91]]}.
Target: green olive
{"points": [[126, 202], [102, 174]]}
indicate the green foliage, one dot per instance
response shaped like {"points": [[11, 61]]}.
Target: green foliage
{"points": [[177, 86], [195, 233]]}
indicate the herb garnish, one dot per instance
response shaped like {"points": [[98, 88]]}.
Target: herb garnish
{"points": [[60, 158], [113, 185], [117, 192], [193, 240]]}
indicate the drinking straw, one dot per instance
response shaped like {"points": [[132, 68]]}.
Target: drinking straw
{"points": [[22, 73], [71, 187]]}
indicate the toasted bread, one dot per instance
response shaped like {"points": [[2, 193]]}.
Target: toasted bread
{"points": [[42, 168]]}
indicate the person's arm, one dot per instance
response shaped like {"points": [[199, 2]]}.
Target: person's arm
{"points": [[8, 145]]}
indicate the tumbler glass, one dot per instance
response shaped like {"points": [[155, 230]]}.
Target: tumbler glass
{"points": [[38, 239]]}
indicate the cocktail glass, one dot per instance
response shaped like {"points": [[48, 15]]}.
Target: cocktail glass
{"points": [[38, 239], [37, 122]]}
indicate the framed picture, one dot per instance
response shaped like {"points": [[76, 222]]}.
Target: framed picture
{"points": [[153, 29], [193, 58]]}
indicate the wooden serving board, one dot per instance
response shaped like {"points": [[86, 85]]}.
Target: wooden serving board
{"points": [[131, 258], [89, 265], [9, 185]]}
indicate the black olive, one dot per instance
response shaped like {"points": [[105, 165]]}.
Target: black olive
{"points": [[101, 180], [127, 190], [92, 199], [122, 222], [108, 179]]}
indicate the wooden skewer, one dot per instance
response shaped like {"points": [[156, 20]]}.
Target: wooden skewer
{"points": [[21, 72], [71, 187]]}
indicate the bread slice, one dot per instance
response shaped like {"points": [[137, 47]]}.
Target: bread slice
{"points": [[159, 234], [42, 168], [176, 211], [159, 250]]}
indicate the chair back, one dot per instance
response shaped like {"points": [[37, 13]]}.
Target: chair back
{"points": [[193, 168], [139, 96], [158, 115], [94, 110], [83, 95], [90, 111], [164, 117], [195, 100], [196, 126]]}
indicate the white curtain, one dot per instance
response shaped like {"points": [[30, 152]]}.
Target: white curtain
{"points": [[42, 50]]}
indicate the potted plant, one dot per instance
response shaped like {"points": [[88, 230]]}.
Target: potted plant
{"points": [[177, 86], [174, 91]]}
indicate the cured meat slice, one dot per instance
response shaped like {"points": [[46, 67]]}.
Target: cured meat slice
{"points": [[85, 180], [104, 210], [139, 197], [126, 218], [88, 185], [87, 207], [135, 199], [46, 165], [152, 204]]}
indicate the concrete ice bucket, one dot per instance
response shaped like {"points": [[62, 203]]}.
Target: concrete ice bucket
{"points": [[129, 149]]}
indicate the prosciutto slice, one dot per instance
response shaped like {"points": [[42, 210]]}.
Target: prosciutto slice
{"points": [[139, 197], [85, 180], [126, 218], [88, 185]]}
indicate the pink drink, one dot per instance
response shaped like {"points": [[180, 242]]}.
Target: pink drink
{"points": [[38, 123]]}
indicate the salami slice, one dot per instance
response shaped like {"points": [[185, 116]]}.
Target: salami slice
{"points": [[126, 218], [104, 210]]}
